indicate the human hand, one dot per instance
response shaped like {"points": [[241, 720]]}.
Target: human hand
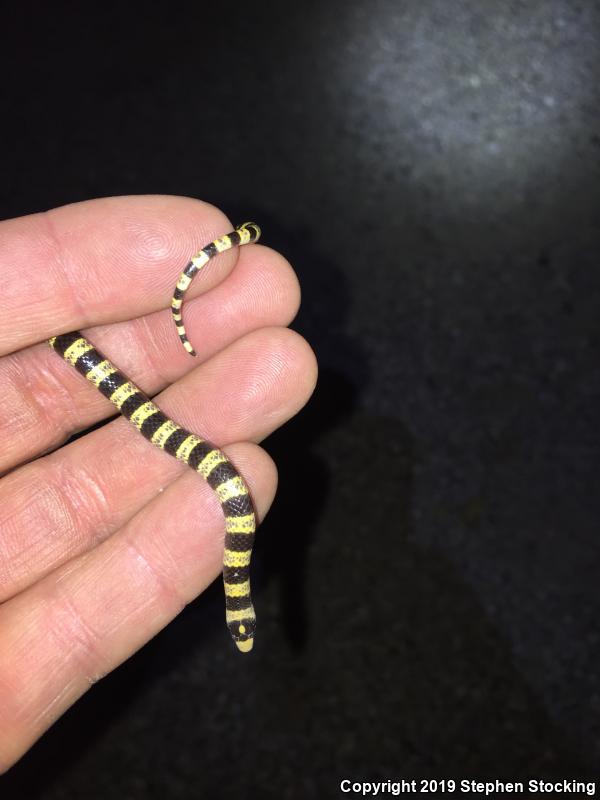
{"points": [[104, 540]]}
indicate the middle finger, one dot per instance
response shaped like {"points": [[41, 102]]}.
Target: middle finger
{"points": [[65, 503], [48, 403]]}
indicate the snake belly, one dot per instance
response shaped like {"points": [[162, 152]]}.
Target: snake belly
{"points": [[196, 452]]}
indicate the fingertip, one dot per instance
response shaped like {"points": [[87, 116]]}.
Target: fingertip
{"points": [[277, 281], [259, 471]]}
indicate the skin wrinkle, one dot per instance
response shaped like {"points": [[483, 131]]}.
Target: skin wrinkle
{"points": [[62, 495], [60, 508], [81, 486], [7, 517], [9, 692], [22, 714], [72, 566], [59, 415], [17, 396], [25, 300], [277, 292], [11, 710], [67, 627], [51, 711], [34, 409], [39, 508], [62, 414], [170, 598], [203, 500], [160, 546], [153, 357], [264, 376], [63, 394], [152, 244], [78, 475], [70, 275]]}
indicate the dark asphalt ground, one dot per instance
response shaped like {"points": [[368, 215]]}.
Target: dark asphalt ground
{"points": [[427, 582]]}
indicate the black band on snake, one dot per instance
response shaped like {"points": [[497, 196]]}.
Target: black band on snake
{"points": [[196, 452]]}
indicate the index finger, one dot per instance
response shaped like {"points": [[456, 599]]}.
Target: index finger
{"points": [[101, 261]]}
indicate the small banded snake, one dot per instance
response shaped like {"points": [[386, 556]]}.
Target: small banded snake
{"points": [[197, 453]]}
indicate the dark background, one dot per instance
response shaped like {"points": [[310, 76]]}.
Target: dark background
{"points": [[427, 582]]}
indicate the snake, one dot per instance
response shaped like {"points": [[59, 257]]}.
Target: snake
{"points": [[195, 451]]}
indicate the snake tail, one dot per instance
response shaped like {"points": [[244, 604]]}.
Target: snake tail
{"points": [[197, 453], [244, 234]]}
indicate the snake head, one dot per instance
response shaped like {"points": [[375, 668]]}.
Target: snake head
{"points": [[252, 228], [242, 633]]}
